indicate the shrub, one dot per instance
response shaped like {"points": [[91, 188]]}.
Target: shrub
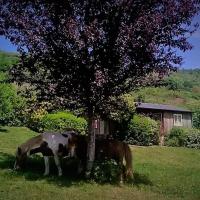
{"points": [[176, 137], [184, 137], [142, 131], [106, 171], [34, 121], [61, 121], [196, 119], [192, 139]]}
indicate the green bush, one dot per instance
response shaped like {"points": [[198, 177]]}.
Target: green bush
{"points": [[11, 105], [107, 171], [183, 137], [176, 137], [34, 120], [142, 131], [192, 139], [61, 121], [196, 119]]}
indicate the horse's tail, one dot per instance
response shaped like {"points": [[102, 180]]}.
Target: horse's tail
{"points": [[128, 159]]}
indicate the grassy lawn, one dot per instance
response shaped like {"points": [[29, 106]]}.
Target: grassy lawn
{"points": [[160, 173]]}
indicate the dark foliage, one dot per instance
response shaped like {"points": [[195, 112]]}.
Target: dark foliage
{"points": [[87, 51]]}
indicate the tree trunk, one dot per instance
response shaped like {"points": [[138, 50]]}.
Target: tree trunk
{"points": [[91, 147]]}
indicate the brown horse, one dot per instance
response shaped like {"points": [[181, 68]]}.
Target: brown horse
{"points": [[105, 148]]}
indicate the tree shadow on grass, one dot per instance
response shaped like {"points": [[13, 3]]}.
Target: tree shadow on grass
{"points": [[6, 160], [3, 130], [141, 179], [34, 170]]}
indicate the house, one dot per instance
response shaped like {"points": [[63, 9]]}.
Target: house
{"points": [[169, 116]]}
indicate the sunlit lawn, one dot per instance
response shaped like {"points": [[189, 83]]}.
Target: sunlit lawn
{"points": [[160, 173]]}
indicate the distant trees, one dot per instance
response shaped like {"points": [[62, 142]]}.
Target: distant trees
{"points": [[82, 53], [184, 80]]}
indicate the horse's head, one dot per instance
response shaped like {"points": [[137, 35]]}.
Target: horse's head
{"points": [[20, 159]]}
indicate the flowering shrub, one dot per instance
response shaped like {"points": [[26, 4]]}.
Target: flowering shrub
{"points": [[106, 171]]}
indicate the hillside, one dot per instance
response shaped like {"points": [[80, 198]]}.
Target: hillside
{"points": [[7, 59], [181, 89]]}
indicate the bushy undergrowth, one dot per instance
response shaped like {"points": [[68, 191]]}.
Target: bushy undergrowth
{"points": [[184, 137], [142, 131]]}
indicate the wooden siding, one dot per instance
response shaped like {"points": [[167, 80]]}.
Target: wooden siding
{"points": [[168, 120], [187, 120]]}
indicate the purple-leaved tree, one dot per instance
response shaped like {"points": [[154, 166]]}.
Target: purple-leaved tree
{"points": [[83, 52]]}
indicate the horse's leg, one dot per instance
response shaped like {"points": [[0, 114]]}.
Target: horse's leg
{"points": [[120, 164], [46, 162], [80, 167], [57, 161], [121, 173]]}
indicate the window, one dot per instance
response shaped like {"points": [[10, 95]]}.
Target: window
{"points": [[178, 120]]}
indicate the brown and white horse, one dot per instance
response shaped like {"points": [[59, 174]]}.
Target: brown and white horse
{"points": [[49, 144], [104, 148]]}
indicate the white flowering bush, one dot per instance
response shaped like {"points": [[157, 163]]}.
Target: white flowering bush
{"points": [[106, 171]]}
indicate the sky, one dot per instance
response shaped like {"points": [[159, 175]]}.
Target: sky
{"points": [[191, 59]]}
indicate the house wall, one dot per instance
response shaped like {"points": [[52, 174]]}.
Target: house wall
{"points": [[168, 120], [187, 120]]}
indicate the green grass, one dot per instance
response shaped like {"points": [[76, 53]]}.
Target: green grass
{"points": [[160, 173]]}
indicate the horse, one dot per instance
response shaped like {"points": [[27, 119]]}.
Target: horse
{"points": [[104, 148], [49, 144]]}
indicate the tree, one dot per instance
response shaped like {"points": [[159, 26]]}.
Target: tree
{"points": [[10, 104], [196, 119], [81, 53]]}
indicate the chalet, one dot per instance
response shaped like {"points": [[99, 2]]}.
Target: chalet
{"points": [[169, 116]]}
